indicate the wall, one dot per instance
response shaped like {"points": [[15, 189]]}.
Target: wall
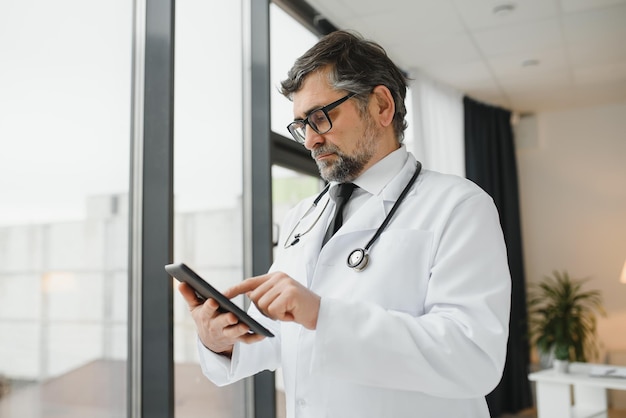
{"points": [[572, 175]]}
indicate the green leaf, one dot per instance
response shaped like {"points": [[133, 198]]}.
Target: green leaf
{"points": [[562, 316]]}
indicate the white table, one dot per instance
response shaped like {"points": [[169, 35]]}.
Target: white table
{"points": [[554, 391]]}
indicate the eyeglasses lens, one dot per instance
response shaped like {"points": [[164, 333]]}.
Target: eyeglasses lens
{"points": [[298, 131], [319, 123]]}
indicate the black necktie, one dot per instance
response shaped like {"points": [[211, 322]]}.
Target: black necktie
{"points": [[341, 194]]}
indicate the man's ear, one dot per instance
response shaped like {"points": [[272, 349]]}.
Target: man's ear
{"points": [[384, 107]]}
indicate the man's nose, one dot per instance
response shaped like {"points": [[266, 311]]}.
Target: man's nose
{"points": [[312, 139]]}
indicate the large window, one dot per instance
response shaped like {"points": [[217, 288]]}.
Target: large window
{"points": [[288, 40], [208, 138], [65, 136], [65, 139]]}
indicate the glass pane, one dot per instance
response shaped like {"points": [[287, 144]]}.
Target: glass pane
{"points": [[288, 40], [65, 139], [208, 124], [288, 188]]}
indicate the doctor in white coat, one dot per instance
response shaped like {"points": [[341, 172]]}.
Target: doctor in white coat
{"points": [[421, 329]]}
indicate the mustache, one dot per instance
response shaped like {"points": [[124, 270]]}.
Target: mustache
{"points": [[325, 149]]}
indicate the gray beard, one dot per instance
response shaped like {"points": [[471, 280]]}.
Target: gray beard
{"points": [[347, 167], [344, 169]]}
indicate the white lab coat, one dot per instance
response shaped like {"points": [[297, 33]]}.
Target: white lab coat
{"points": [[421, 332]]}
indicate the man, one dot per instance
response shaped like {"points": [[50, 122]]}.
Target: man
{"points": [[420, 330]]}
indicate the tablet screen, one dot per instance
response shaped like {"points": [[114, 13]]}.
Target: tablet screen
{"points": [[183, 273]]}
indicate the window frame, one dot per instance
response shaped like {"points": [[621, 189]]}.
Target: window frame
{"points": [[150, 336], [150, 297]]}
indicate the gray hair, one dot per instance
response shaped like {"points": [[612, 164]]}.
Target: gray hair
{"points": [[356, 65]]}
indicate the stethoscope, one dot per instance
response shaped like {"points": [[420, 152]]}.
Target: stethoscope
{"points": [[358, 259]]}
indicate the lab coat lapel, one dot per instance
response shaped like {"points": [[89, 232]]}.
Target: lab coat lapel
{"points": [[299, 260], [368, 217], [372, 214], [311, 245]]}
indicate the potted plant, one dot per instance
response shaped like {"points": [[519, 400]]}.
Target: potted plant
{"points": [[562, 318]]}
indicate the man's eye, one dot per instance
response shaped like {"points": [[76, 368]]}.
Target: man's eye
{"points": [[317, 118]]}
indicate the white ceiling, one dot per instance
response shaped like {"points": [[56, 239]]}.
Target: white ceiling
{"points": [[580, 46]]}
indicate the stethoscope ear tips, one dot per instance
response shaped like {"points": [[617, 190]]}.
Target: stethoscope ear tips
{"points": [[358, 259]]}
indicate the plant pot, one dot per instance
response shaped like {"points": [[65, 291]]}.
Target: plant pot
{"points": [[560, 366], [546, 358]]}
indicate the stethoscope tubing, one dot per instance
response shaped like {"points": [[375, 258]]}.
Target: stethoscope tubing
{"points": [[394, 208], [296, 238], [358, 259]]}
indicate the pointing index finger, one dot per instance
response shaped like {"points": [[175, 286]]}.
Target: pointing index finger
{"points": [[245, 286]]}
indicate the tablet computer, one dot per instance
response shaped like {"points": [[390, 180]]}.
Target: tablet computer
{"points": [[183, 273]]}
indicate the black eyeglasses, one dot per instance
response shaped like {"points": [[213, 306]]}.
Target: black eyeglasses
{"points": [[317, 119]]}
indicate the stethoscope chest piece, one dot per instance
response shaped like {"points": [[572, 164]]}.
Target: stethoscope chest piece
{"points": [[358, 259]]}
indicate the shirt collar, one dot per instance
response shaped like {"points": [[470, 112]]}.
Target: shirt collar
{"points": [[380, 174]]}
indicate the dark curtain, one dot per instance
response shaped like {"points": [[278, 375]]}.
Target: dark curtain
{"points": [[490, 163]]}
